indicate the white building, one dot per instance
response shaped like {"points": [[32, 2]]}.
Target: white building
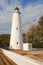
{"points": [[27, 46], [16, 41]]}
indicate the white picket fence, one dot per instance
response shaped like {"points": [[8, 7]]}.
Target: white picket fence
{"points": [[19, 59]]}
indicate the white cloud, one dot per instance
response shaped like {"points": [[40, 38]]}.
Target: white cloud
{"points": [[29, 14]]}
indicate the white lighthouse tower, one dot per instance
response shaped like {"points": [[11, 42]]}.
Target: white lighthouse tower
{"points": [[16, 41]]}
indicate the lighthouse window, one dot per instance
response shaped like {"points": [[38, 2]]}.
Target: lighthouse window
{"points": [[17, 42], [17, 28]]}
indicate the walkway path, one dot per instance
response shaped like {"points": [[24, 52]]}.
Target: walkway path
{"points": [[4, 60]]}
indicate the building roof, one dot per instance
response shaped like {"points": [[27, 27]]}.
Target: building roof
{"points": [[17, 8]]}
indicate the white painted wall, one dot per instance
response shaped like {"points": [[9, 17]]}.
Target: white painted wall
{"points": [[16, 32], [27, 46], [20, 60]]}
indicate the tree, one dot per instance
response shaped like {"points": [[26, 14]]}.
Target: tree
{"points": [[24, 37], [4, 40], [41, 21], [35, 34]]}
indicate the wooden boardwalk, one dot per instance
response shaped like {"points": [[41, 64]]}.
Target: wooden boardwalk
{"points": [[4, 60]]}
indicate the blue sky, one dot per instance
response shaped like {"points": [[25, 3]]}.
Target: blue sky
{"points": [[25, 2], [31, 10]]}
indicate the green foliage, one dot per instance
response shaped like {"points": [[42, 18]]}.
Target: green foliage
{"points": [[4, 40], [35, 34], [24, 37]]}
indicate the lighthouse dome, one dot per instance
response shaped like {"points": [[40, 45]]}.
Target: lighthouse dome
{"points": [[17, 8]]}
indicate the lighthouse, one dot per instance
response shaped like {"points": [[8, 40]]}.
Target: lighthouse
{"points": [[16, 41]]}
